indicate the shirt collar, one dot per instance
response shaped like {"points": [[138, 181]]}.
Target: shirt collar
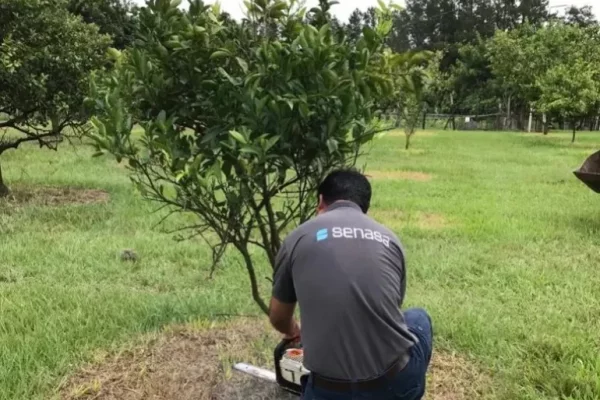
{"points": [[343, 204]]}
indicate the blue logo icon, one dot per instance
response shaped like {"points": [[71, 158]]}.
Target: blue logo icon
{"points": [[322, 235]]}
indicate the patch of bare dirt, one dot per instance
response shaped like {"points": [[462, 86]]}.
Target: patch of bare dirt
{"points": [[400, 133], [53, 196], [427, 221], [193, 363], [400, 175], [452, 377], [431, 221]]}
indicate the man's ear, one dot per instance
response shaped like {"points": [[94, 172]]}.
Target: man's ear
{"points": [[322, 206]]}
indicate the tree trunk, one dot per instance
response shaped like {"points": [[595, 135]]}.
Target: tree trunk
{"points": [[253, 281], [453, 111], [424, 119], [407, 145], [3, 188], [545, 123], [574, 132], [508, 124]]}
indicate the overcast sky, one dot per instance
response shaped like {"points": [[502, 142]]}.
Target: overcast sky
{"points": [[345, 8]]}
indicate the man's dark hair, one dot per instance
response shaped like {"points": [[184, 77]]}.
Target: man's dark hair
{"points": [[349, 185]]}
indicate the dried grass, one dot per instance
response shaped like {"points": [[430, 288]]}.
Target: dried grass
{"points": [[400, 175], [53, 196], [187, 363]]}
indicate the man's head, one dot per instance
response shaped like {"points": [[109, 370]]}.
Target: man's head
{"points": [[348, 185]]}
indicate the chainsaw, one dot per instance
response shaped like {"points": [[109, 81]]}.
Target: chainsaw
{"points": [[289, 368]]}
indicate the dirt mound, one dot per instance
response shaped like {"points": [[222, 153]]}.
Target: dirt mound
{"points": [[425, 221], [431, 221], [193, 363], [400, 175], [53, 196]]}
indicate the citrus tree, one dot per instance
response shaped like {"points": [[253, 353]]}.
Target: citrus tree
{"points": [[46, 56], [241, 121]]}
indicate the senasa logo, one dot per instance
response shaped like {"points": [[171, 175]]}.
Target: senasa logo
{"points": [[322, 234], [353, 233]]}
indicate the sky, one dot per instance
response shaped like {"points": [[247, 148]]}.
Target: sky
{"points": [[345, 8]]}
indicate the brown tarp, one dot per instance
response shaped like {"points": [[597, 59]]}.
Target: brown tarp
{"points": [[589, 173]]}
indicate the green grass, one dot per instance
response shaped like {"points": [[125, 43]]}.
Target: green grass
{"points": [[511, 280]]}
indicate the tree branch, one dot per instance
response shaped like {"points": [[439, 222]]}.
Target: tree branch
{"points": [[253, 281], [17, 142]]}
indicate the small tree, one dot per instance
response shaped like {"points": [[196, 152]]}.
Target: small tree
{"points": [[239, 128], [411, 79], [570, 90], [46, 55]]}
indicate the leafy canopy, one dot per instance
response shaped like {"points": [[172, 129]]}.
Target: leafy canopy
{"points": [[241, 121]]}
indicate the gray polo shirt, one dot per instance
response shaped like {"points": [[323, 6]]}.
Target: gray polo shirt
{"points": [[347, 274]]}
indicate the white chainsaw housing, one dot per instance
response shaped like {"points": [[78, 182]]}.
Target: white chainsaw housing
{"points": [[292, 368]]}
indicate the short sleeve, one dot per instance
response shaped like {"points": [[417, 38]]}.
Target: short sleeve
{"points": [[283, 283]]}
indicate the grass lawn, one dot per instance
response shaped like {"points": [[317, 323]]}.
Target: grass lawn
{"points": [[501, 239]]}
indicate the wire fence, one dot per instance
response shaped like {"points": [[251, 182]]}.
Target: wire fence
{"points": [[534, 122]]}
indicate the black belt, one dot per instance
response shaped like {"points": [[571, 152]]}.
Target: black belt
{"points": [[372, 384]]}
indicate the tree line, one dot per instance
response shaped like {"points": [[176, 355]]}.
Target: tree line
{"points": [[506, 57]]}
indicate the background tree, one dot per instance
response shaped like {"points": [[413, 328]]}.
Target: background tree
{"points": [[117, 18], [46, 55], [239, 129], [411, 82], [581, 16], [571, 91]]}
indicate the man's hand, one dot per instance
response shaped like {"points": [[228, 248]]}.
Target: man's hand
{"points": [[281, 316], [294, 337]]}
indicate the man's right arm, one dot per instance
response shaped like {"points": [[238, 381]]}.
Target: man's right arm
{"points": [[283, 301]]}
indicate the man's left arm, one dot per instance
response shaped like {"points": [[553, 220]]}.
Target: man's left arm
{"points": [[283, 300]]}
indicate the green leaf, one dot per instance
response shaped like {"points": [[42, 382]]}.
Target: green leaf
{"points": [[304, 110], [332, 145], [331, 125], [370, 35], [238, 137], [250, 150], [220, 54], [272, 142], [243, 64], [229, 77]]}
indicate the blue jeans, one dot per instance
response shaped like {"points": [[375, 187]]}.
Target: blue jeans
{"points": [[408, 384]]}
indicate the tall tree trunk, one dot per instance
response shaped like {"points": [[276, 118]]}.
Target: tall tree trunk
{"points": [[574, 132], [453, 111], [3, 188], [545, 123], [424, 118], [407, 145], [508, 124]]}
